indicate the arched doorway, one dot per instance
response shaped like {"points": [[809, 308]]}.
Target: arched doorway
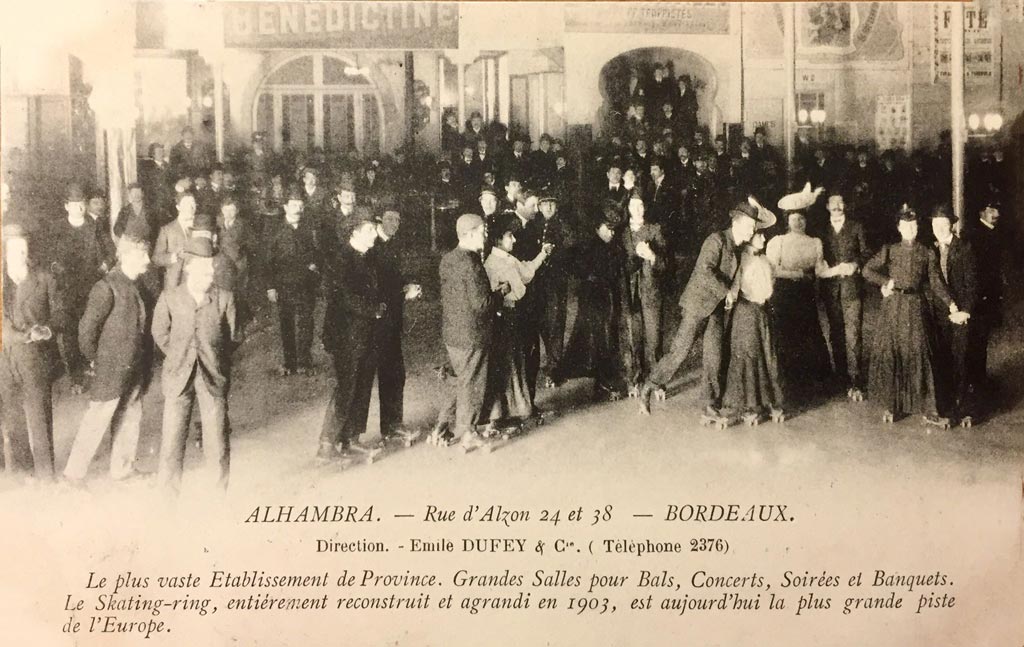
{"points": [[320, 101], [615, 75]]}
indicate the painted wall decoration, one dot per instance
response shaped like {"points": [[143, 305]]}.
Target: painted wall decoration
{"points": [[828, 32]]}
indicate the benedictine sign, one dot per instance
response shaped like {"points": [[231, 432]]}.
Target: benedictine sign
{"points": [[349, 25]]}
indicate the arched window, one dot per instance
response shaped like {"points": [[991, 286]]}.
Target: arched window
{"points": [[320, 100]]}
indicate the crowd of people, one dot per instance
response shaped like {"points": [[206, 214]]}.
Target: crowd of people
{"points": [[658, 223]]}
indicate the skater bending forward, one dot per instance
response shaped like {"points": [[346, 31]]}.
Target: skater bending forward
{"points": [[705, 302]]}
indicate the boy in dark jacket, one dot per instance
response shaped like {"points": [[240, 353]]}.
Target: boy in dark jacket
{"points": [[112, 335]]}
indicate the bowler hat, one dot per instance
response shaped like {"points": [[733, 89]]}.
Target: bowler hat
{"points": [[744, 209], [75, 194], [204, 222], [611, 213], [198, 247], [296, 193]]}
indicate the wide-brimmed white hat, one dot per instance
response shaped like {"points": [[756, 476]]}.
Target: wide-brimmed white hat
{"points": [[802, 200]]}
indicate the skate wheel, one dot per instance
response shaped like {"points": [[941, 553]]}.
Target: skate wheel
{"points": [[966, 423], [720, 425], [407, 443], [659, 395]]}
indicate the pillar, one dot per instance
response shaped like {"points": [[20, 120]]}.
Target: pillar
{"points": [[218, 108], [789, 97], [958, 126]]}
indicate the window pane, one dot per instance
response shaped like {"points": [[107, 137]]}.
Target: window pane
{"points": [[297, 72], [265, 114], [339, 122], [371, 125], [334, 73]]}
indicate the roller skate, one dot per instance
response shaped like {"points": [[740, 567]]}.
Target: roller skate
{"points": [[752, 418], [634, 391], [327, 453], [934, 421], [361, 451], [405, 436], [712, 417], [854, 394], [778, 416], [966, 422], [603, 393], [644, 395], [471, 440], [888, 418], [440, 436]]}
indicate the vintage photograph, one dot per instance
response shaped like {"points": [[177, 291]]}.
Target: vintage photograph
{"points": [[273, 254]]}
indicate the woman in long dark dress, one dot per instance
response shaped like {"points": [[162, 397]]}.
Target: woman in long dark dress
{"points": [[753, 385], [901, 377], [797, 260]]}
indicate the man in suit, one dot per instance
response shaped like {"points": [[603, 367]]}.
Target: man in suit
{"points": [[959, 274], [529, 310], [77, 265], [395, 290], [292, 264], [112, 334], [235, 248], [96, 214], [171, 239], [315, 201], [614, 191], [353, 326], [708, 296], [194, 326], [136, 215], [188, 157], [214, 193], [660, 198], [32, 311], [155, 177], [467, 308], [846, 251], [988, 241], [551, 285], [518, 163]]}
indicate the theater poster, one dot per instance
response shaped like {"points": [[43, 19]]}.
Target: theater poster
{"points": [[251, 500]]}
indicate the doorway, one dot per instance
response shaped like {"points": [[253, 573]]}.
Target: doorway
{"points": [[320, 101]]}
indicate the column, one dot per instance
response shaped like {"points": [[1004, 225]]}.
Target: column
{"points": [[461, 66], [504, 90], [410, 100], [958, 132], [218, 108], [789, 70]]}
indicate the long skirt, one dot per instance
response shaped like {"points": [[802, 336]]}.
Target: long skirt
{"points": [[753, 383], [508, 393], [803, 355], [901, 377]]}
